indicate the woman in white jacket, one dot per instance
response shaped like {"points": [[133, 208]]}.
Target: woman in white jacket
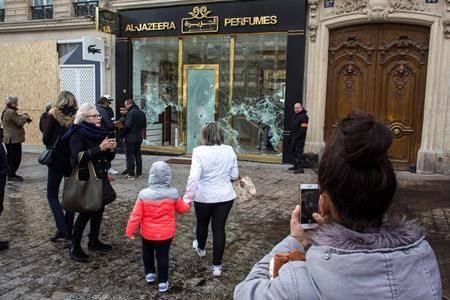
{"points": [[214, 166]]}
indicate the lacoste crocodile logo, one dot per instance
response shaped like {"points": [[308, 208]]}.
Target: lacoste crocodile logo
{"points": [[93, 50]]}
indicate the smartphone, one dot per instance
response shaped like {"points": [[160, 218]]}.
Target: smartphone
{"points": [[112, 135], [309, 201]]}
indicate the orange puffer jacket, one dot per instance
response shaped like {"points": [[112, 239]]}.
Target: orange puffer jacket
{"points": [[154, 210]]}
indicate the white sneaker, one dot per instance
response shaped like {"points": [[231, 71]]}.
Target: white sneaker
{"points": [[163, 287], [150, 277], [111, 171], [130, 177], [197, 250], [216, 270]]}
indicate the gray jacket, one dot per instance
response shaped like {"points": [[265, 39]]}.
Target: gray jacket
{"points": [[392, 263]]}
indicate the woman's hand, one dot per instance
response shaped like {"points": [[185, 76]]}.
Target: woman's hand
{"points": [[297, 230], [107, 144]]}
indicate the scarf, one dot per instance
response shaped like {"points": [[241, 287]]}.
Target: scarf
{"points": [[87, 130]]}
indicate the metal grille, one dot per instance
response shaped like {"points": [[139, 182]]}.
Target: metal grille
{"points": [[80, 81], [85, 9], [42, 12]]}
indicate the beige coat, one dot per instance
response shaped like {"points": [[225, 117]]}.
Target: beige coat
{"points": [[13, 131]]}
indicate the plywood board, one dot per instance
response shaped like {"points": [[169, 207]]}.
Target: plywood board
{"points": [[29, 70]]}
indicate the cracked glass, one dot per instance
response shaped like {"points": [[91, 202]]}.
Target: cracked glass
{"points": [[251, 110], [155, 89]]}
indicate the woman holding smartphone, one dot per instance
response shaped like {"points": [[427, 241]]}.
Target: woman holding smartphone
{"points": [[357, 252], [88, 138]]}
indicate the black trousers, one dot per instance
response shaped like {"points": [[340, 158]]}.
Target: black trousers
{"points": [[299, 146], [2, 190], [133, 154], [217, 214], [80, 224], [161, 249], [14, 157]]}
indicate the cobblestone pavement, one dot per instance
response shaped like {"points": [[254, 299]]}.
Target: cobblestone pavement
{"points": [[35, 268]]}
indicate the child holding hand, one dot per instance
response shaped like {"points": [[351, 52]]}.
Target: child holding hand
{"points": [[154, 213]]}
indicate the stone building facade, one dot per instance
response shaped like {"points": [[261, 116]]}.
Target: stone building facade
{"points": [[416, 35], [388, 57]]}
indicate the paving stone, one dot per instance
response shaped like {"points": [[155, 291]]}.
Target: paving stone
{"points": [[35, 268]]}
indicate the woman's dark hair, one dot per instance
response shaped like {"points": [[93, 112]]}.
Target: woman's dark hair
{"points": [[211, 134], [356, 173]]}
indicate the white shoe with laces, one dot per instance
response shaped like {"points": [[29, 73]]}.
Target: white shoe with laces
{"points": [[197, 250], [216, 270], [150, 277], [163, 287]]}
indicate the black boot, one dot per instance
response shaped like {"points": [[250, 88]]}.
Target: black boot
{"points": [[69, 235], [4, 245], [96, 245], [299, 170], [77, 253], [58, 236], [294, 167]]}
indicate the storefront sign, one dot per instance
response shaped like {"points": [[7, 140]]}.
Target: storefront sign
{"points": [[200, 21], [227, 17], [93, 49], [106, 21]]}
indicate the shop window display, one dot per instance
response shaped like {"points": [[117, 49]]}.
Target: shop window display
{"points": [[257, 111], [155, 88], [249, 104]]}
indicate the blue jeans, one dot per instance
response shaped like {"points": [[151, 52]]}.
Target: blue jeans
{"points": [[63, 220]]}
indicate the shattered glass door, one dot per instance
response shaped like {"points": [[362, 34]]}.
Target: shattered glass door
{"points": [[200, 92]]}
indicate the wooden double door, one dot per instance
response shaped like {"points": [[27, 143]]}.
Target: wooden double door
{"points": [[381, 69]]}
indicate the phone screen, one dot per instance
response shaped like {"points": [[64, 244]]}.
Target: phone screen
{"points": [[112, 135], [309, 199]]}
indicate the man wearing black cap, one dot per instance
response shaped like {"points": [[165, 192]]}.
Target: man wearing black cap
{"points": [[105, 110]]}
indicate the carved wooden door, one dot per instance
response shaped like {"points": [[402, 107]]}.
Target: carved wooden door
{"points": [[380, 68]]}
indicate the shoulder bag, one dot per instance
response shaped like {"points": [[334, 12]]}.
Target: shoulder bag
{"points": [[84, 196], [46, 156], [244, 188]]}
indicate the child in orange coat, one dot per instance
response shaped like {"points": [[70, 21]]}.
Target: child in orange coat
{"points": [[154, 213]]}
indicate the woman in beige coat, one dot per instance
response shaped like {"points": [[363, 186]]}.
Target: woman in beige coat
{"points": [[14, 135]]}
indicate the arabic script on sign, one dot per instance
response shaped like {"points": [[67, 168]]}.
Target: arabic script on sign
{"points": [[200, 21]]}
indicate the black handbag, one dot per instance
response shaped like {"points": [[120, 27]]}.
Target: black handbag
{"points": [[85, 196], [109, 195], [46, 156]]}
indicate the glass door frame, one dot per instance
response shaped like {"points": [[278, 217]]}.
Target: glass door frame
{"points": [[186, 68]]}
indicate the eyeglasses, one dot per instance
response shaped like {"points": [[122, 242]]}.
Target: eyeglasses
{"points": [[95, 116]]}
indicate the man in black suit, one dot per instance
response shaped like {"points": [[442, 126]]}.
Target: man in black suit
{"points": [[299, 126], [135, 123]]}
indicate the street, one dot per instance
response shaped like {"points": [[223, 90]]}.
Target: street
{"points": [[35, 268]]}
